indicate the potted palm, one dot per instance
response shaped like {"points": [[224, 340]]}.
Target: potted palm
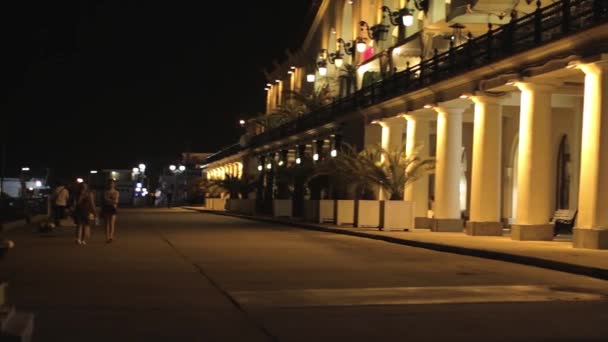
{"points": [[237, 189], [391, 171]]}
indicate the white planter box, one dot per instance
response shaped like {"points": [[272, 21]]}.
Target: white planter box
{"points": [[327, 211], [218, 204], [344, 212], [282, 208], [233, 205], [367, 213], [311, 210], [397, 215], [247, 206], [319, 211]]}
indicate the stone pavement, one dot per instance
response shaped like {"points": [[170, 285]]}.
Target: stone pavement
{"points": [[557, 255]]}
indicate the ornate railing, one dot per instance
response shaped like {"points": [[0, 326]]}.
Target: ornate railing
{"points": [[223, 153], [544, 25]]}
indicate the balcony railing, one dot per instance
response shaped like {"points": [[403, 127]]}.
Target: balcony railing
{"points": [[545, 25]]}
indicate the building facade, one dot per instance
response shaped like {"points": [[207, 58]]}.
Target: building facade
{"points": [[507, 96]]}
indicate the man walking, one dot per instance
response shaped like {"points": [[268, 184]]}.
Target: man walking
{"points": [[59, 202]]}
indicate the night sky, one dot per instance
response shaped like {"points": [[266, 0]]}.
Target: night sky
{"points": [[109, 84]]}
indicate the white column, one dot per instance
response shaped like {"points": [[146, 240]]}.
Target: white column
{"points": [[392, 133], [485, 173], [392, 139], [592, 223], [534, 164], [417, 141], [447, 169]]}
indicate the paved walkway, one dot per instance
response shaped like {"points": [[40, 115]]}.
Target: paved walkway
{"points": [[558, 255]]}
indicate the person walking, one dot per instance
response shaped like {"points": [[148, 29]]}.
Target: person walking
{"points": [[59, 202], [108, 210], [84, 213], [170, 196]]}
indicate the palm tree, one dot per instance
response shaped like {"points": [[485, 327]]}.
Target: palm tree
{"points": [[233, 185], [391, 170], [313, 100], [349, 77]]}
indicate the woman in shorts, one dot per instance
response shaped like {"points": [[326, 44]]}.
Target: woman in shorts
{"points": [[108, 210]]}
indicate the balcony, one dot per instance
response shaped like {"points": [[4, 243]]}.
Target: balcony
{"points": [[545, 25]]}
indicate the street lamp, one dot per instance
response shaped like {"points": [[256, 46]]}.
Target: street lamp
{"points": [[93, 171], [25, 168], [182, 168], [142, 167], [79, 180], [172, 167]]}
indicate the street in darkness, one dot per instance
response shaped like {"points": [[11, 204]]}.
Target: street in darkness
{"points": [[179, 275]]}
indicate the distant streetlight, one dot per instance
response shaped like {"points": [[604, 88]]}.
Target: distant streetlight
{"points": [[182, 168], [142, 167], [242, 122], [25, 169], [135, 170], [79, 180], [93, 171], [172, 167]]}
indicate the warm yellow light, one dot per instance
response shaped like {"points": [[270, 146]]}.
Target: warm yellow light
{"points": [[408, 19], [315, 157], [361, 46], [290, 72], [333, 153], [269, 166], [338, 62], [278, 81], [281, 163], [298, 160], [293, 67], [427, 106], [464, 96], [310, 78], [322, 71], [260, 167], [268, 85]]}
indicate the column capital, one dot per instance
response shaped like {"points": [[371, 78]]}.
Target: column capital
{"points": [[595, 68], [528, 84], [440, 108], [483, 97], [395, 120]]}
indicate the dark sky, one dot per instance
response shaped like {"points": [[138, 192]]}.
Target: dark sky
{"points": [[108, 84]]}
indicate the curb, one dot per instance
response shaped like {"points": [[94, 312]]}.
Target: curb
{"points": [[593, 272]]}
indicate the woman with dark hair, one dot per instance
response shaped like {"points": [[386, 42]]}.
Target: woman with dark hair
{"points": [[84, 212], [108, 210]]}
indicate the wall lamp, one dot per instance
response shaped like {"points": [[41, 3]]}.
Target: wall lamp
{"points": [[322, 62], [337, 58], [422, 5], [376, 32], [403, 16]]}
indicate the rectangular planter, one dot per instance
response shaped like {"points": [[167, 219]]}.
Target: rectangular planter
{"points": [[311, 210], [247, 206], [344, 212], [397, 215], [367, 213], [282, 208], [327, 211]]}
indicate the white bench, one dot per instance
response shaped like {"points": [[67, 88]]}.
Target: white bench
{"points": [[563, 219]]}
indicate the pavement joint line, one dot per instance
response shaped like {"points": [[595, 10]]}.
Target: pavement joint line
{"points": [[589, 271], [224, 293]]}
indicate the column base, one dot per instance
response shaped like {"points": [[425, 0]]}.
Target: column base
{"points": [[447, 225], [590, 238], [483, 228], [532, 232], [423, 222]]}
